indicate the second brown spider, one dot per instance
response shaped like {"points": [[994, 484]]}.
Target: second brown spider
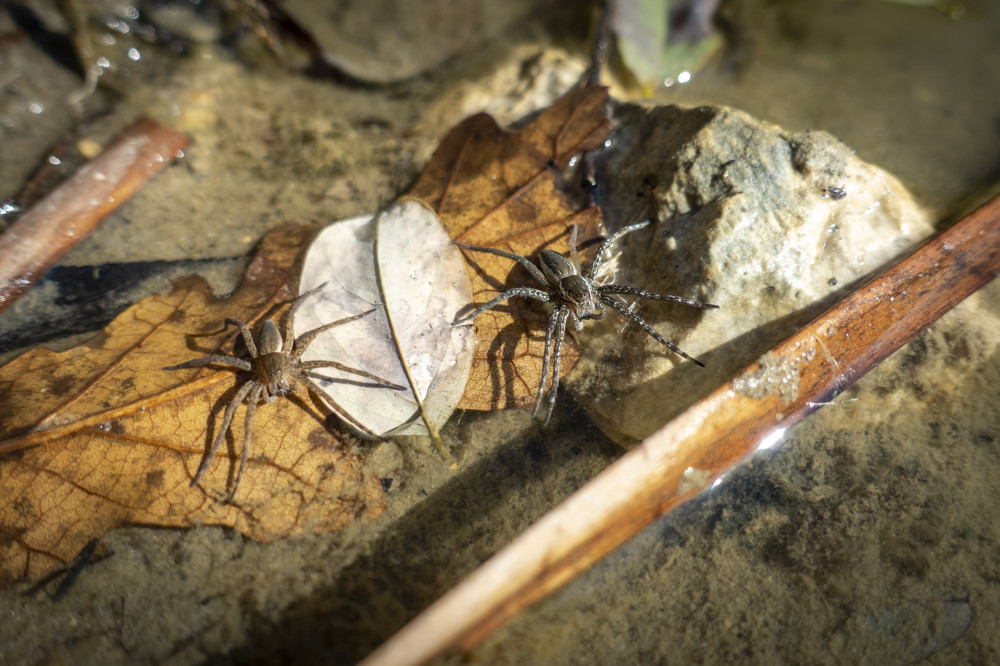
{"points": [[276, 369], [575, 297]]}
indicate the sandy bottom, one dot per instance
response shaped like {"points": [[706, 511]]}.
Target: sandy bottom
{"points": [[869, 536]]}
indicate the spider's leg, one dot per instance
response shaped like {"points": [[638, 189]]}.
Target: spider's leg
{"points": [[342, 414], [574, 257], [247, 335], [557, 352], [550, 330], [599, 259], [223, 429], [635, 291], [208, 360], [289, 326], [617, 305], [311, 365], [527, 292], [304, 340], [597, 316], [251, 408], [524, 261]]}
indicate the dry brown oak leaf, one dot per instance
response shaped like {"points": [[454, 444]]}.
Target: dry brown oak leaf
{"points": [[497, 189], [101, 436]]}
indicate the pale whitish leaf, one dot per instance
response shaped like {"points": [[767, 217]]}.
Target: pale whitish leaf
{"points": [[421, 282]]}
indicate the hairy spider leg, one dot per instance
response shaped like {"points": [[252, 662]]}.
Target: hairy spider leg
{"points": [[560, 337], [342, 414], [290, 319], [549, 330], [524, 261], [527, 292], [606, 245], [618, 305], [635, 291], [224, 428], [555, 332], [247, 429], [247, 335], [304, 340], [596, 316], [573, 256], [312, 365]]}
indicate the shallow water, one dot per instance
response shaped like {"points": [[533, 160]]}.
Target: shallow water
{"points": [[868, 536]]}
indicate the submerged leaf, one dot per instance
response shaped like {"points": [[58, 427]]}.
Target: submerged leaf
{"points": [[661, 42], [403, 265], [387, 41], [495, 189], [100, 436], [641, 30]]}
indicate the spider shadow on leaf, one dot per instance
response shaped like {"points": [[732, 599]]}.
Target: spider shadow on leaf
{"points": [[230, 335], [504, 348]]}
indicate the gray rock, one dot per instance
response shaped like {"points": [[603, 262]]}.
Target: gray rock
{"points": [[767, 224]]}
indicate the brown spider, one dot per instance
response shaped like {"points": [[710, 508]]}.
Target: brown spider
{"points": [[276, 369], [576, 297]]}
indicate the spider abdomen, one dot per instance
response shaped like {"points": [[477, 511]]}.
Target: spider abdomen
{"points": [[555, 266]]}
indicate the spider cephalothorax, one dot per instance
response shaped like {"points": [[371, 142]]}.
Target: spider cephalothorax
{"points": [[275, 369], [575, 297]]}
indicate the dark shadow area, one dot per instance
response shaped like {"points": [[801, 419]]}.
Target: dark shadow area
{"points": [[438, 543], [76, 299], [433, 546], [56, 45]]}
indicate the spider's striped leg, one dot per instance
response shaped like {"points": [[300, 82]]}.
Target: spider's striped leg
{"points": [[289, 326], [526, 292], [597, 316], [524, 261], [304, 340], [617, 305], [223, 428], [641, 293], [251, 408], [341, 413], [208, 360], [245, 332], [560, 336], [573, 256], [310, 365], [599, 258], [550, 330]]}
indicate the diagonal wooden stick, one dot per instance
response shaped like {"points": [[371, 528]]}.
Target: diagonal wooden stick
{"points": [[692, 451], [51, 228]]}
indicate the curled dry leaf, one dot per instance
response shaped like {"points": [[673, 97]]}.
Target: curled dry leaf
{"points": [[403, 265], [496, 189], [100, 436]]}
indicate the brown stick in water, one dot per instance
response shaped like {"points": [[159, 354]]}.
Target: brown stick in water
{"points": [[699, 446], [54, 225]]}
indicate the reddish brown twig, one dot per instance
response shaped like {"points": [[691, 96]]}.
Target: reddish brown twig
{"points": [[707, 440], [50, 228]]}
